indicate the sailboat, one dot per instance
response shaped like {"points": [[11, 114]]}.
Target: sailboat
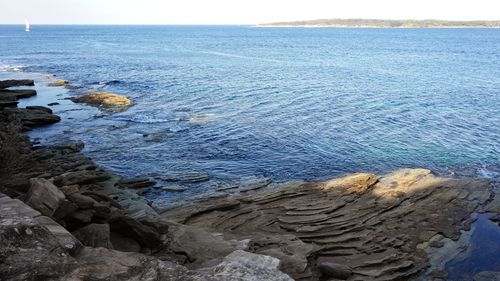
{"points": [[27, 29]]}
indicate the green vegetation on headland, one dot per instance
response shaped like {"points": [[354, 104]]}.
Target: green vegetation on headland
{"points": [[376, 23]]}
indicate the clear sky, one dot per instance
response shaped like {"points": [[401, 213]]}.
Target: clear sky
{"points": [[237, 11]]}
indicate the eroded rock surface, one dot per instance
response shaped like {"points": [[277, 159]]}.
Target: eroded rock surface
{"points": [[360, 227]]}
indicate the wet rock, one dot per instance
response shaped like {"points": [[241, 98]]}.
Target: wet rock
{"points": [[335, 270], [81, 177], [44, 196], [494, 205], [175, 188], [186, 177], [38, 107], [254, 184], [15, 83], [53, 103], [94, 235], [58, 83], [104, 99], [137, 183], [145, 235]]}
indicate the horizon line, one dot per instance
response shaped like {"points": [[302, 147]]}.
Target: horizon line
{"points": [[247, 24]]}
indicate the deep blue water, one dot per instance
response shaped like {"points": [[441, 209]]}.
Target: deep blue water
{"points": [[281, 103]]}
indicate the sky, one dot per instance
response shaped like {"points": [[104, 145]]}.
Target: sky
{"points": [[237, 11]]}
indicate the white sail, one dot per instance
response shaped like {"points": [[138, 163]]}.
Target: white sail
{"points": [[27, 29]]}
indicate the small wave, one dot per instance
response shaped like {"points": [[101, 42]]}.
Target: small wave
{"points": [[222, 54], [12, 68], [488, 173], [143, 117]]}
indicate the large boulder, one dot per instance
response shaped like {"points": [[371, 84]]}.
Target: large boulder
{"points": [[44, 196], [15, 83], [105, 99]]}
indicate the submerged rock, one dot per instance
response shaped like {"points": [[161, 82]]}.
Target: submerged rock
{"points": [[136, 183], [175, 188], [58, 83], [105, 99], [186, 177]]}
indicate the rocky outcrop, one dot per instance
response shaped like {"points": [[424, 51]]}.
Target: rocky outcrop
{"points": [[105, 100], [15, 83], [16, 94], [360, 227], [33, 117], [34, 247]]}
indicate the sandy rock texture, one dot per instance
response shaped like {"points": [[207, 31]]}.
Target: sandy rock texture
{"points": [[359, 227]]}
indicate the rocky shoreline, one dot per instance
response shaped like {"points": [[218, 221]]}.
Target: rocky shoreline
{"points": [[62, 217]]}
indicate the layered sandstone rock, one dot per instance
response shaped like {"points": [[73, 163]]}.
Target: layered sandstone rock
{"points": [[359, 227]]}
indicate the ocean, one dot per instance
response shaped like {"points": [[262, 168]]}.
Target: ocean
{"points": [[241, 103]]}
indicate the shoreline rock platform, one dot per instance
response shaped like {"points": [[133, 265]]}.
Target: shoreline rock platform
{"points": [[62, 217]]}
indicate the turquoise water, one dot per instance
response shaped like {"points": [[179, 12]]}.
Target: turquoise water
{"points": [[238, 101]]}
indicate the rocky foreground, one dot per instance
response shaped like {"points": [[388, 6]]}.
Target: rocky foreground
{"points": [[62, 217]]}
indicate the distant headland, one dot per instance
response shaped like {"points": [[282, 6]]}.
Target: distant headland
{"points": [[378, 23]]}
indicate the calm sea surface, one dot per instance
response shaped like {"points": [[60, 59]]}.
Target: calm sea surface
{"points": [[287, 104]]}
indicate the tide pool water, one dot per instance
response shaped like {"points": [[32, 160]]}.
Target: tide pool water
{"points": [[286, 104]]}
